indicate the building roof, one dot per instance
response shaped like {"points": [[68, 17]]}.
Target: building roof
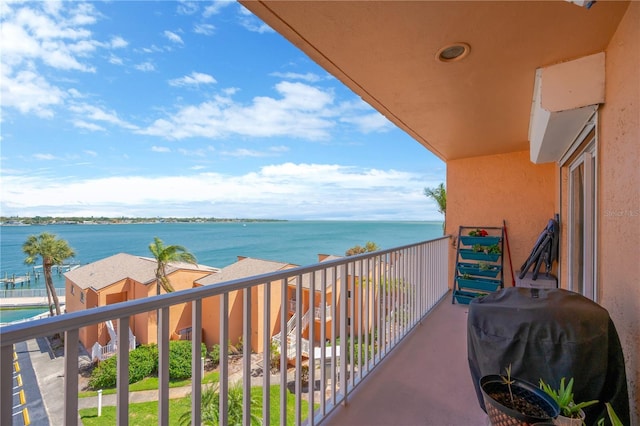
{"points": [[105, 272], [243, 268]]}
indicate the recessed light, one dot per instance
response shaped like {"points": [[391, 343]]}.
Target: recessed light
{"points": [[453, 52]]}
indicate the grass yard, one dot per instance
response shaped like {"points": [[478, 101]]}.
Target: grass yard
{"points": [[151, 383], [146, 413]]}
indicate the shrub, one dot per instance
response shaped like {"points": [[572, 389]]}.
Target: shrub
{"points": [[180, 359], [215, 354], [143, 362], [104, 375]]}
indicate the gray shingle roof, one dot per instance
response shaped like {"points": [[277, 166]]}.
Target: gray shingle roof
{"points": [[243, 268], [105, 272]]}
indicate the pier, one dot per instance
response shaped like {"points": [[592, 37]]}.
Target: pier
{"points": [[10, 282]]}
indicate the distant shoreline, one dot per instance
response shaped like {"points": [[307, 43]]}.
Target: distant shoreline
{"points": [[49, 220]]}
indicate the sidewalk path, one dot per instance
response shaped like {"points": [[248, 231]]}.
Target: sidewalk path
{"points": [[134, 397]]}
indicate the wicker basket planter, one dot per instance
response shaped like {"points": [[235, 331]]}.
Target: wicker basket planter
{"points": [[526, 394]]}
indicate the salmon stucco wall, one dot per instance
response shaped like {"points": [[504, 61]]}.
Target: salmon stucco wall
{"points": [[484, 191], [618, 212]]}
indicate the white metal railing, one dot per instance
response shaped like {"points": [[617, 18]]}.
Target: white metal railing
{"points": [[29, 292], [318, 311], [407, 281]]}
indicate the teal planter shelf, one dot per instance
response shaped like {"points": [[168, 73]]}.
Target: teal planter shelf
{"points": [[475, 269], [483, 241], [478, 284], [465, 297], [479, 255], [478, 273]]}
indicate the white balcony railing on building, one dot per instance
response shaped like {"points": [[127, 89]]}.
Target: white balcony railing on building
{"points": [[393, 292], [318, 313]]}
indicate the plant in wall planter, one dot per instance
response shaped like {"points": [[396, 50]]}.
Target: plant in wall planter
{"points": [[571, 414], [511, 401]]}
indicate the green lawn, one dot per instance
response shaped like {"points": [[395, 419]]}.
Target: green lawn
{"points": [[151, 383], [146, 413]]}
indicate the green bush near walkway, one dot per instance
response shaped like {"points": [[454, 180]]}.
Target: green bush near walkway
{"points": [[143, 362]]}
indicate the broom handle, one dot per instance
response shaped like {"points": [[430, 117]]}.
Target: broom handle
{"points": [[506, 238]]}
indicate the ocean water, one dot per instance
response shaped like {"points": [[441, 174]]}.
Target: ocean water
{"points": [[214, 244]]}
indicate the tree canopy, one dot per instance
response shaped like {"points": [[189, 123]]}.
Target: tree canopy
{"points": [[165, 255], [52, 251]]}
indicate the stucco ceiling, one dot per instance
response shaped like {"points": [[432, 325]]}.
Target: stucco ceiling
{"points": [[385, 52]]}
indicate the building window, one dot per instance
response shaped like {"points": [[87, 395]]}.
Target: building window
{"points": [[82, 297], [581, 217], [72, 290]]}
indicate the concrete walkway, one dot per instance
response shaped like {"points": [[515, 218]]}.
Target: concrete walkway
{"points": [[134, 397], [13, 302]]}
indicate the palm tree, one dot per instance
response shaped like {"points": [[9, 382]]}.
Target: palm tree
{"points": [[164, 255], [53, 251], [439, 195], [369, 247]]}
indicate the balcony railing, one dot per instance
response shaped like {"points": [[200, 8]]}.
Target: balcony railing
{"points": [[393, 292]]}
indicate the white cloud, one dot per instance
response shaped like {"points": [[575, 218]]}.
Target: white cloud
{"points": [[187, 7], [145, 67], [44, 156], [368, 123], [29, 92], [175, 38], [118, 42], [160, 149], [301, 111], [215, 7], [204, 29], [309, 77], [250, 22], [196, 78], [91, 112], [289, 190], [115, 60], [81, 124]]}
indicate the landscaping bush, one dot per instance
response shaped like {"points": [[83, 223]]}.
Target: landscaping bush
{"points": [[104, 375], [215, 354], [143, 362], [180, 359]]}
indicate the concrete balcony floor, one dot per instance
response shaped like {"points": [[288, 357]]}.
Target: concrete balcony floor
{"points": [[425, 380]]}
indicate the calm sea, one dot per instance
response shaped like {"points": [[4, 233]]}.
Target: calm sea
{"points": [[214, 244]]}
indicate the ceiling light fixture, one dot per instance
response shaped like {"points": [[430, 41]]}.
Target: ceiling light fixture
{"points": [[453, 52]]}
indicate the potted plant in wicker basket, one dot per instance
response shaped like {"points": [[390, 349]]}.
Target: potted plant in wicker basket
{"points": [[513, 402], [571, 414]]}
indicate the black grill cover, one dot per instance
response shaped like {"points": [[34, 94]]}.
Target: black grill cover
{"points": [[549, 334]]}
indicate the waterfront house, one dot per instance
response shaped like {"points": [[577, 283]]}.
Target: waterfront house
{"points": [[535, 108], [124, 277], [244, 267]]}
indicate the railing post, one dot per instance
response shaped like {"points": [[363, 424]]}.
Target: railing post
{"points": [[122, 396], [266, 335], [163, 367], [71, 377], [246, 357], [196, 361], [223, 387], [344, 346]]}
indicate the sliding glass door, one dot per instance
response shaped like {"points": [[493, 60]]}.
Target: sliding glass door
{"points": [[582, 219]]}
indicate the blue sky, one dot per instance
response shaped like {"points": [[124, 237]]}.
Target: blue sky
{"points": [[189, 109]]}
